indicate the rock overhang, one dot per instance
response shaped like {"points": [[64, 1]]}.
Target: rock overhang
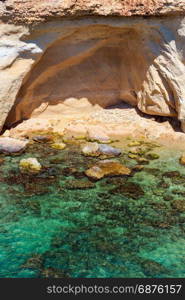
{"points": [[35, 31], [31, 11]]}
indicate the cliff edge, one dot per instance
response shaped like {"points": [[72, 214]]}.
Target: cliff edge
{"points": [[29, 11]]}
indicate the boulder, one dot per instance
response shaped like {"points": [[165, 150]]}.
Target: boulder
{"points": [[91, 149], [96, 150], [109, 151], [106, 168], [42, 138], [30, 165], [10, 145]]}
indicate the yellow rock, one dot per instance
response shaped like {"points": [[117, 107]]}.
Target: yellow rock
{"points": [[142, 160], [138, 168], [30, 165], [133, 144], [133, 156], [152, 156], [59, 146], [182, 159], [107, 168]]}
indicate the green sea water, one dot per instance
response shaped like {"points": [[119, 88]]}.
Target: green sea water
{"points": [[60, 224]]}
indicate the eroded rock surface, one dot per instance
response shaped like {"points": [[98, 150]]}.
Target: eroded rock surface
{"points": [[47, 58], [30, 11], [106, 168]]}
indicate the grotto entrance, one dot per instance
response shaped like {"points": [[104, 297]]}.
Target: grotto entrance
{"points": [[95, 66]]}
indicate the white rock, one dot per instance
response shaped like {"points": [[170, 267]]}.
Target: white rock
{"points": [[30, 165], [11, 145]]}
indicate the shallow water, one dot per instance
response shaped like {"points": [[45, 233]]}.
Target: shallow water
{"points": [[115, 227]]}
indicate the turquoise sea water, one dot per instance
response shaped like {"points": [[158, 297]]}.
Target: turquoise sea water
{"points": [[60, 224]]}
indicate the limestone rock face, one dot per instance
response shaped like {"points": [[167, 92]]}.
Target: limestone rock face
{"points": [[46, 57], [29, 11]]}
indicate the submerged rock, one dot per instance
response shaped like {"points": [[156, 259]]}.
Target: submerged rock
{"points": [[152, 171], [32, 188], [107, 168], [178, 205], [163, 184], [171, 174], [167, 198], [114, 181], [25, 178], [56, 160], [138, 168], [153, 268], [34, 206], [1, 161], [175, 176], [10, 145], [34, 262], [69, 171], [78, 174], [152, 156], [130, 190], [54, 273], [74, 184], [102, 150], [91, 149], [30, 165], [182, 160]]}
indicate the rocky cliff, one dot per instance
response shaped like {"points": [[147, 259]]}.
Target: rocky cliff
{"points": [[29, 11], [104, 51]]}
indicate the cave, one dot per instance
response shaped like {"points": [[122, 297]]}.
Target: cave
{"points": [[107, 63]]}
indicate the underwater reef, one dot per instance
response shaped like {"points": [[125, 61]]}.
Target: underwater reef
{"points": [[92, 122], [57, 222]]}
